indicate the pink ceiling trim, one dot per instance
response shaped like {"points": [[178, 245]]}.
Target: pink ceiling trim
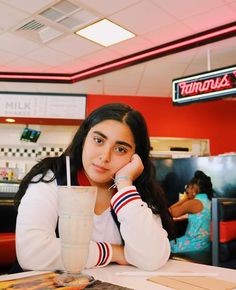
{"points": [[213, 35]]}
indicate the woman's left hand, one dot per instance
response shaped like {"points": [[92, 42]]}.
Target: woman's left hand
{"points": [[133, 169]]}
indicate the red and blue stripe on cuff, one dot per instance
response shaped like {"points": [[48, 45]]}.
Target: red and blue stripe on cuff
{"points": [[124, 199], [104, 253]]}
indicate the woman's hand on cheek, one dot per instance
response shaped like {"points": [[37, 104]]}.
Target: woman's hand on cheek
{"points": [[131, 170]]}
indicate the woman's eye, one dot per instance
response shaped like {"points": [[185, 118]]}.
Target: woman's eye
{"points": [[98, 140], [121, 149]]}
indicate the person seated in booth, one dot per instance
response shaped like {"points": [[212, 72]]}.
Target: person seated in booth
{"points": [[197, 204], [132, 223]]}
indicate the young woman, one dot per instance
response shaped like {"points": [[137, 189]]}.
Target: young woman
{"points": [[197, 204], [131, 221]]}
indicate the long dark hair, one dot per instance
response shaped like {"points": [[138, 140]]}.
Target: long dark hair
{"points": [[204, 183], [147, 186]]}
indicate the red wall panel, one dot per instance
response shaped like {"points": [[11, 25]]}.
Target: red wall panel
{"points": [[214, 120]]}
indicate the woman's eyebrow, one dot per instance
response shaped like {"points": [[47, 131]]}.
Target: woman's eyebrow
{"points": [[101, 134], [124, 143], [117, 142]]}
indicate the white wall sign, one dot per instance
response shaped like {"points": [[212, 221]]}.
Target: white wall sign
{"points": [[45, 105]]}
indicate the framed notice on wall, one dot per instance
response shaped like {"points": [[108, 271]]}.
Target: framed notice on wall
{"points": [[209, 85], [43, 105]]}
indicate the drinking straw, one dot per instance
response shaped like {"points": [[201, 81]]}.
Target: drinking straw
{"points": [[170, 274], [68, 171]]}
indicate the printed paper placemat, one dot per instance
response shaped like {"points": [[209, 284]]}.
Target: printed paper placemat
{"points": [[47, 282]]}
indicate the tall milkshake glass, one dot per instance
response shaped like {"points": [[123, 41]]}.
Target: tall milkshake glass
{"points": [[76, 211]]}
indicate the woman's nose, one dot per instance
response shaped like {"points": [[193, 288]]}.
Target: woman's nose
{"points": [[105, 155]]}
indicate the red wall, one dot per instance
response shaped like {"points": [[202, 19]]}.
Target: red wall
{"points": [[213, 120]]}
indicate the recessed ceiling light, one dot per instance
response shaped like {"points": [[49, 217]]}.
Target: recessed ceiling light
{"points": [[105, 32], [10, 120]]}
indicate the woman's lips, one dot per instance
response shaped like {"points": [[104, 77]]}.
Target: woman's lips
{"points": [[100, 168]]}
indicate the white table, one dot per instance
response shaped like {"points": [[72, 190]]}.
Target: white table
{"points": [[138, 280]]}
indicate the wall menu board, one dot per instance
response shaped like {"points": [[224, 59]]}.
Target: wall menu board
{"points": [[42, 105], [214, 84]]}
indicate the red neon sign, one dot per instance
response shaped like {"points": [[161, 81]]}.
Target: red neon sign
{"points": [[210, 85], [214, 84]]}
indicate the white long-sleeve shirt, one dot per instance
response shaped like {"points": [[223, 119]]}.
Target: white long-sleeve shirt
{"points": [[146, 244]]}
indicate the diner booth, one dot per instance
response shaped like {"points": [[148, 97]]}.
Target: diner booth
{"points": [[8, 214], [174, 174]]}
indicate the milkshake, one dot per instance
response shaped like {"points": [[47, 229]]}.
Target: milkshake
{"points": [[76, 211]]}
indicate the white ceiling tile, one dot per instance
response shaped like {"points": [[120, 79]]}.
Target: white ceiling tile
{"points": [[74, 45], [49, 56], [220, 50], [37, 87], [89, 86], [168, 33], [6, 57], [70, 67], [52, 88], [27, 65], [17, 45], [229, 1], [233, 5], [132, 76], [112, 82], [202, 60], [107, 7], [217, 63], [102, 56], [20, 87], [196, 68], [10, 16], [181, 8], [123, 90], [28, 5], [154, 90], [179, 59], [211, 19], [228, 58], [224, 45], [131, 46], [154, 77], [142, 18]]}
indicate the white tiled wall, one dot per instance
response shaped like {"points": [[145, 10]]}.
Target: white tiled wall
{"points": [[23, 155]]}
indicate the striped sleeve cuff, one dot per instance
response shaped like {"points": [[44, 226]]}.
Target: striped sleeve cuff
{"points": [[124, 197], [104, 254], [100, 254]]}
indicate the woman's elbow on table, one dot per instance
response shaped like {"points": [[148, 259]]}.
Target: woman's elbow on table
{"points": [[150, 260]]}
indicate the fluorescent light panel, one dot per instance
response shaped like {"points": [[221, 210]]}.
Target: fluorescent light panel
{"points": [[105, 32]]}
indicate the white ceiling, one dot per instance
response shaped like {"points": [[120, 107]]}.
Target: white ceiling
{"points": [[154, 22]]}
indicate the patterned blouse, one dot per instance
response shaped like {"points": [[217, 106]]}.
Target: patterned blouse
{"points": [[197, 235]]}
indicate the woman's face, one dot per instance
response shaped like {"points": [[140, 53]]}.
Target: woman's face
{"points": [[192, 190], [108, 147]]}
